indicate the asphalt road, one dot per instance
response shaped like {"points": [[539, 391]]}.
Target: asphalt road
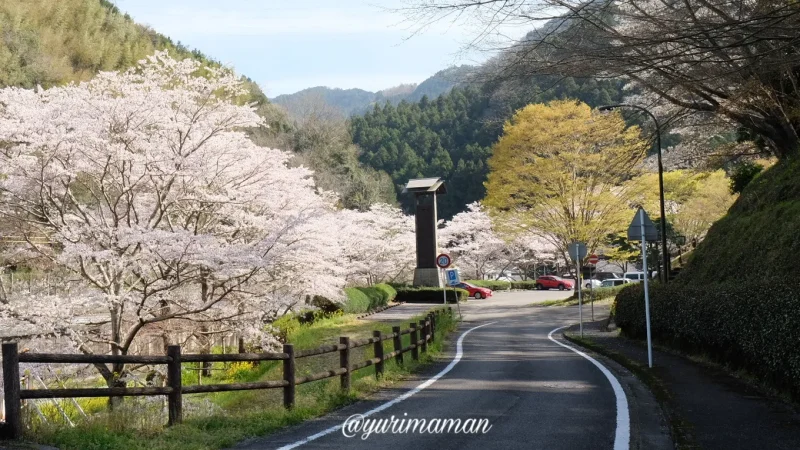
{"points": [[535, 393]]}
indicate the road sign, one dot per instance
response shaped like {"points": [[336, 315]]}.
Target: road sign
{"points": [[453, 277], [577, 251], [593, 259], [642, 229], [443, 260], [635, 228]]}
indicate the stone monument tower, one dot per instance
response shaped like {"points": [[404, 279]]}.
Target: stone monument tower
{"points": [[425, 191]]}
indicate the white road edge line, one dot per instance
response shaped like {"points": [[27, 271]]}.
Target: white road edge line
{"points": [[427, 383], [622, 437]]}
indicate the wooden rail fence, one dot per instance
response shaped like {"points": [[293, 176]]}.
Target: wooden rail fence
{"points": [[420, 335]]}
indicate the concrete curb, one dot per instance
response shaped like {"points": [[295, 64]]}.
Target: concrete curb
{"points": [[381, 309]]}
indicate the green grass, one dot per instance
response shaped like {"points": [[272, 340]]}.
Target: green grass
{"points": [[213, 421], [573, 301], [758, 235]]}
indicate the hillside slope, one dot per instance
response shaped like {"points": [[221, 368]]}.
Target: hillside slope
{"points": [[47, 42], [348, 102], [758, 238]]}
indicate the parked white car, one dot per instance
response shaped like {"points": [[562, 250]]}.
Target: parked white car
{"points": [[611, 282], [634, 277], [592, 283]]}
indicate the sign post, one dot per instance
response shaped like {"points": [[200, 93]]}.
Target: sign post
{"points": [[577, 251], [593, 260], [443, 261], [642, 226]]}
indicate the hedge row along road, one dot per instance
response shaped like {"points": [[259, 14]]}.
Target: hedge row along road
{"points": [[535, 392]]}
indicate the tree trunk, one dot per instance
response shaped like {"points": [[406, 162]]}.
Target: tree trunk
{"points": [[205, 340]]}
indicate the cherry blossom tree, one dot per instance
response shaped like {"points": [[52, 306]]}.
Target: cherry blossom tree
{"points": [[378, 245], [144, 185], [471, 238], [527, 251]]}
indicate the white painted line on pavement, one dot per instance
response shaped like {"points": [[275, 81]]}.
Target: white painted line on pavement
{"points": [[430, 381], [623, 435]]}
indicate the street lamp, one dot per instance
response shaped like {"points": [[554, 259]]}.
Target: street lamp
{"points": [[665, 251]]}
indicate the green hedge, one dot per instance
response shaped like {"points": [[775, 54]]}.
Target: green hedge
{"points": [[365, 299], [751, 326], [600, 293], [529, 285], [429, 295], [387, 291], [491, 284]]}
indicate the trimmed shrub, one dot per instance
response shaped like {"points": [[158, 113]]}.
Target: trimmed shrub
{"points": [[491, 284], [529, 285], [750, 326], [357, 301], [388, 292], [429, 295], [365, 299], [325, 304]]}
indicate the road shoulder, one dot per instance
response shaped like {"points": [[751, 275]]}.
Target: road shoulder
{"points": [[310, 427], [649, 426], [705, 407]]}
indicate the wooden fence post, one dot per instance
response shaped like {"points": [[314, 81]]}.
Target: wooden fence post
{"points": [[378, 346], [433, 326], [11, 386], [414, 342], [344, 362], [288, 376], [398, 345], [423, 325], [174, 382]]}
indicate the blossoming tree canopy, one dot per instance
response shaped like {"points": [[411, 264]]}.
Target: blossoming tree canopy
{"points": [[378, 244], [145, 185], [472, 239]]}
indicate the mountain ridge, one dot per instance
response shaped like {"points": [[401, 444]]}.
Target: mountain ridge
{"points": [[355, 101]]}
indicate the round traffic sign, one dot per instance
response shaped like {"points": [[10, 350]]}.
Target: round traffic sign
{"points": [[443, 260], [593, 259]]}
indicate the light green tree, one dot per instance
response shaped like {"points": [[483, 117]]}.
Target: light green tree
{"points": [[563, 168]]}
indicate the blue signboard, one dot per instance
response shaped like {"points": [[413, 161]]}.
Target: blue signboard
{"points": [[452, 276]]}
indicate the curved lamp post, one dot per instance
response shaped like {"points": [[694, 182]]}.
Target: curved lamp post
{"points": [[664, 249]]}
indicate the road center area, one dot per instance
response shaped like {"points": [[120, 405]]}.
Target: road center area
{"points": [[533, 392]]}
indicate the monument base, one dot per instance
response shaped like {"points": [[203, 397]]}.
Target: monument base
{"points": [[427, 277]]}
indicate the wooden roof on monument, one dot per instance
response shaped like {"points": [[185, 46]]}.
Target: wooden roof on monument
{"points": [[425, 185]]}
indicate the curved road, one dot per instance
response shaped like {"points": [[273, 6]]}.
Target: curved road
{"points": [[535, 393]]}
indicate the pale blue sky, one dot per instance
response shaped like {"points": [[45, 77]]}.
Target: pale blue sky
{"points": [[289, 45]]}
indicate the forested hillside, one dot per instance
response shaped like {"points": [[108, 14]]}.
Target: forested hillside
{"points": [[348, 102], [451, 136], [47, 42]]}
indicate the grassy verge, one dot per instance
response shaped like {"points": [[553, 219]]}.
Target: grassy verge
{"points": [[679, 427], [572, 302], [213, 421]]}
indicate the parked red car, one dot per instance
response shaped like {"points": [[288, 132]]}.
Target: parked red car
{"points": [[474, 291], [554, 282]]}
